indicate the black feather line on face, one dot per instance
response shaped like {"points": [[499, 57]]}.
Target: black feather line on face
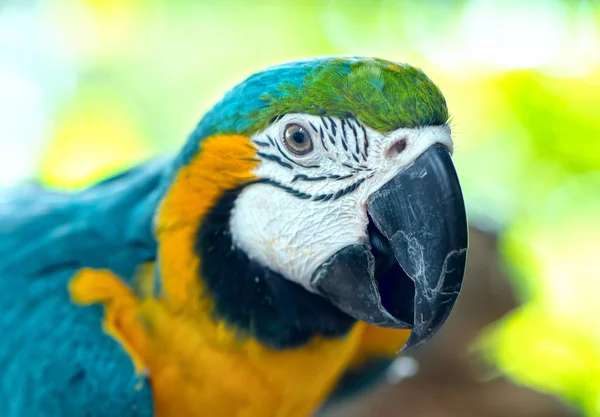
{"points": [[340, 193], [344, 144], [332, 122], [324, 145], [366, 140], [356, 168], [323, 197], [352, 167], [253, 299], [322, 138], [344, 128], [351, 124], [319, 131], [261, 143], [349, 189], [303, 177], [275, 158], [343, 177], [296, 193]]}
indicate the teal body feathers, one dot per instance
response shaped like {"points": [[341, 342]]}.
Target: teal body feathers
{"points": [[55, 359]]}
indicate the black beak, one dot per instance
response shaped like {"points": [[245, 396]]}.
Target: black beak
{"points": [[411, 274]]}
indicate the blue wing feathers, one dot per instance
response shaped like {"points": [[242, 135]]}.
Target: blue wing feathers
{"points": [[54, 358]]}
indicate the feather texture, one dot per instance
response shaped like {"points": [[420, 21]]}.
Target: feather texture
{"points": [[55, 359]]}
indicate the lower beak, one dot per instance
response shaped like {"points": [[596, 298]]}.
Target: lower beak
{"points": [[411, 274]]}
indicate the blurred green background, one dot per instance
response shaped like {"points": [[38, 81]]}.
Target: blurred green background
{"points": [[88, 87]]}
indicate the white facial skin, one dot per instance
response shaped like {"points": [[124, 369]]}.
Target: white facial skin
{"points": [[295, 222]]}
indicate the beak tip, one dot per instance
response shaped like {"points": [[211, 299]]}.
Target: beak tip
{"points": [[412, 343]]}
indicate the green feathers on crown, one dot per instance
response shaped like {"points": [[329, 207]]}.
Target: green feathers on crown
{"points": [[381, 94]]}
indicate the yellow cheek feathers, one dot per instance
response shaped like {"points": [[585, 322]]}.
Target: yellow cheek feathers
{"points": [[222, 163]]}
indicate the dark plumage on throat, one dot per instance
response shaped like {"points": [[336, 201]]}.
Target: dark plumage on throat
{"points": [[252, 298]]}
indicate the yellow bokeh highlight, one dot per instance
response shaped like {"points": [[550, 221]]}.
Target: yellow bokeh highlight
{"points": [[95, 138]]}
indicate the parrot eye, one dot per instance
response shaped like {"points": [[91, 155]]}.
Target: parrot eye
{"points": [[297, 139]]}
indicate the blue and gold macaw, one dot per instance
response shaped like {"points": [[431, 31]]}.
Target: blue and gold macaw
{"points": [[312, 225]]}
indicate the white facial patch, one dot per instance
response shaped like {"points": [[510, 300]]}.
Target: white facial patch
{"points": [[310, 206]]}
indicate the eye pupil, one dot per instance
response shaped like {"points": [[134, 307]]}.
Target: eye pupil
{"points": [[299, 136], [297, 139]]}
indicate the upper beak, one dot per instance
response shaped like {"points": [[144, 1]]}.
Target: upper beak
{"points": [[411, 274]]}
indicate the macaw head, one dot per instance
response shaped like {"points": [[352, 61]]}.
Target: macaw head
{"points": [[335, 176]]}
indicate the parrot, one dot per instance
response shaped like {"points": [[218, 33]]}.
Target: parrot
{"points": [[311, 228]]}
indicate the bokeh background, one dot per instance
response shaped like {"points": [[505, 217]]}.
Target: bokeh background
{"points": [[89, 87]]}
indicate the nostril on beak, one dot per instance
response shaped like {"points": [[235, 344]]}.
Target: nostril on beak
{"points": [[396, 149]]}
